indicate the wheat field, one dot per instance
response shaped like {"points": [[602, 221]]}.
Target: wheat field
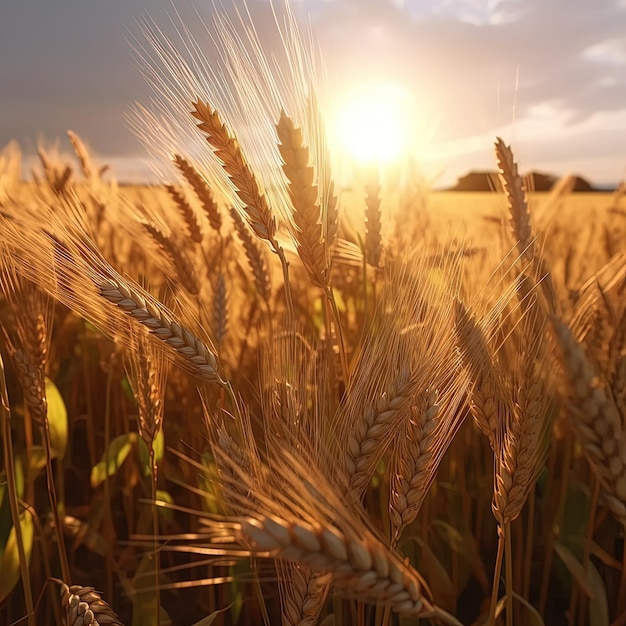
{"points": [[250, 395]]}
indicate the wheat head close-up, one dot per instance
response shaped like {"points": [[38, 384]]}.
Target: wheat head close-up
{"points": [[288, 377]]}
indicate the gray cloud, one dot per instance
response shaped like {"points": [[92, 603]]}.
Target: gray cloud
{"points": [[67, 64]]}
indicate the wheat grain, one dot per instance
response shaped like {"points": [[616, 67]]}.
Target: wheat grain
{"points": [[83, 155], [147, 375], [526, 438], [199, 358], [303, 193], [303, 593], [187, 213], [202, 190], [518, 204], [255, 256], [220, 309], [33, 383], [178, 256], [490, 404], [295, 514], [84, 607], [374, 431], [596, 420], [226, 148]]}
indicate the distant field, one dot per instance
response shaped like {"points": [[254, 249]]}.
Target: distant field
{"points": [[328, 413]]}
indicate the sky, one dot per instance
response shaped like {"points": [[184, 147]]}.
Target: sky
{"points": [[547, 75]]}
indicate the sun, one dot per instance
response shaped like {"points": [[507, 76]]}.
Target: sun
{"points": [[374, 122]]}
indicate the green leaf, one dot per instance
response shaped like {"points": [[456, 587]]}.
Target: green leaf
{"points": [[577, 506], [19, 477], [113, 458], [128, 390], [209, 619], [10, 559], [575, 568], [57, 420], [596, 550], [598, 605], [166, 514], [36, 461], [438, 579], [158, 445], [532, 618], [450, 535], [146, 612]]}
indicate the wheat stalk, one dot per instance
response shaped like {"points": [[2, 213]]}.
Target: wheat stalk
{"points": [[310, 241], [516, 195], [373, 216], [147, 312], [489, 401], [303, 593], [84, 606], [147, 373], [85, 282], [296, 515], [526, 438], [187, 213], [226, 148], [521, 222], [596, 420], [220, 309], [202, 190], [255, 256], [178, 257]]}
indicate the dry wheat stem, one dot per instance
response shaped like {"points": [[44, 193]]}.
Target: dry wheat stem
{"points": [[147, 374], [527, 434], [255, 204], [83, 280], [220, 309], [32, 381], [409, 347], [293, 511], [521, 222], [83, 155], [326, 187], [295, 418], [360, 566], [374, 430]]}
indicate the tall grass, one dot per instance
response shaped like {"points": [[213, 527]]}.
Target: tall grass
{"points": [[252, 409]]}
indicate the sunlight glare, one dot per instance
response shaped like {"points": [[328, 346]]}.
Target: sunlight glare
{"points": [[374, 122]]}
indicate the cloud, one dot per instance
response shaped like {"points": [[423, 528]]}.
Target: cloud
{"points": [[474, 66], [479, 65]]}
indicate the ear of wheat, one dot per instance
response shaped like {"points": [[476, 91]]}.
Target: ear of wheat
{"points": [[295, 515], [84, 607], [69, 267]]}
